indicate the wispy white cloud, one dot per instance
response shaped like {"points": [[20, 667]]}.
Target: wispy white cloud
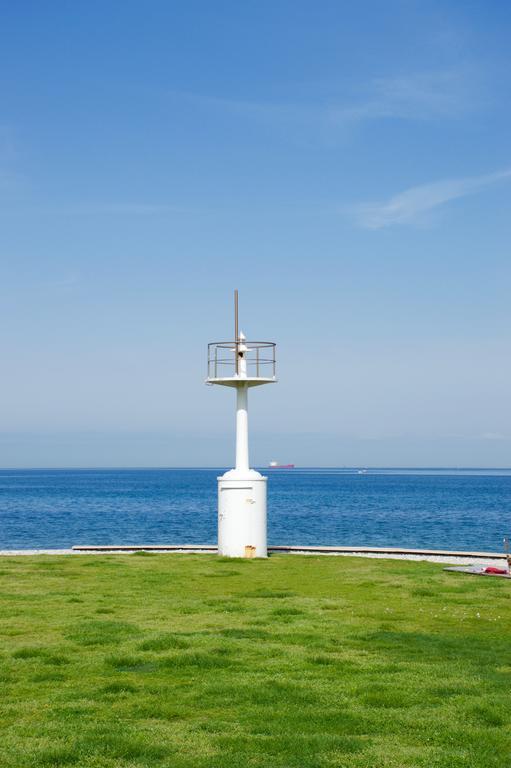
{"points": [[265, 112], [419, 96], [138, 209], [494, 436], [86, 209], [410, 205]]}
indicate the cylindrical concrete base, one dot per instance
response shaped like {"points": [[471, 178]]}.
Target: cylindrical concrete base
{"points": [[242, 515]]}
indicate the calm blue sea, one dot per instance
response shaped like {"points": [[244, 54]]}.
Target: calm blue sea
{"points": [[409, 508]]}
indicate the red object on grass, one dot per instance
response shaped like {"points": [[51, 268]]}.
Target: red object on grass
{"points": [[492, 569]]}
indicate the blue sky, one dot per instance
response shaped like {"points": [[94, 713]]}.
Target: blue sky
{"points": [[345, 166]]}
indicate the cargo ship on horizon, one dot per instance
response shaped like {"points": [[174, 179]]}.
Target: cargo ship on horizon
{"points": [[276, 465]]}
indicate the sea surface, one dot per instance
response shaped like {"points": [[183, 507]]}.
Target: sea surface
{"points": [[441, 509]]}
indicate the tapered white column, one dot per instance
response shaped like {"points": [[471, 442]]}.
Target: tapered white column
{"points": [[242, 495], [241, 491], [242, 461]]}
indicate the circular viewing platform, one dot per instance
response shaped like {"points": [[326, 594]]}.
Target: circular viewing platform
{"points": [[232, 363]]}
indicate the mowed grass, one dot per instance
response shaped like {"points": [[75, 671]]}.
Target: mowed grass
{"points": [[307, 662]]}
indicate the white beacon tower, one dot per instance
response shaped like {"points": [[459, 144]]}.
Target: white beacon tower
{"points": [[241, 364]]}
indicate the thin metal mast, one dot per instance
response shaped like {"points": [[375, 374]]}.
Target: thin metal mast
{"points": [[236, 330]]}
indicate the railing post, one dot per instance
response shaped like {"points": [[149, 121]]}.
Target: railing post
{"points": [[216, 360], [257, 362]]}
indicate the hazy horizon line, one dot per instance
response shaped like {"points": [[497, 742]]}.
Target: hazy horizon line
{"points": [[457, 468]]}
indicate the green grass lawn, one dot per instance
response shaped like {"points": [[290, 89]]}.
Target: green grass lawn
{"points": [[195, 661]]}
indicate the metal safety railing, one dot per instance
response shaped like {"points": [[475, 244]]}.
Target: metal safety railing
{"points": [[223, 359]]}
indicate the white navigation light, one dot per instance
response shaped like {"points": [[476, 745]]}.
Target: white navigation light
{"points": [[241, 491]]}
